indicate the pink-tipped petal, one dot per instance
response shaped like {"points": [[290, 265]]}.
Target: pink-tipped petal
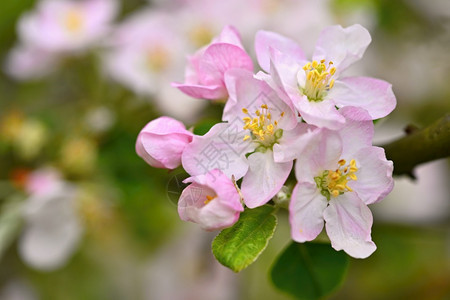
{"points": [[202, 91], [374, 175], [230, 35], [264, 178], [265, 40], [306, 212], [374, 95], [342, 46], [348, 224]]}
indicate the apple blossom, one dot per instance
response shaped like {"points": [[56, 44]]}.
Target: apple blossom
{"points": [[259, 142], [339, 173], [316, 88], [65, 25], [211, 200], [162, 141]]}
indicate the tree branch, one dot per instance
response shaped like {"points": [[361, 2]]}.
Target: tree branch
{"points": [[420, 146]]}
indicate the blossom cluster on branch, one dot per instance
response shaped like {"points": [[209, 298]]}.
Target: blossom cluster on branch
{"points": [[295, 114]]}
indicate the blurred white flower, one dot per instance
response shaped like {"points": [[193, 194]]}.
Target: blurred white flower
{"points": [[147, 53], [22, 63], [66, 25], [100, 119], [17, 289], [188, 263], [52, 228], [55, 29]]}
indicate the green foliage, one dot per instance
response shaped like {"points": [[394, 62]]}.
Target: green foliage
{"points": [[309, 270], [240, 245], [204, 126]]}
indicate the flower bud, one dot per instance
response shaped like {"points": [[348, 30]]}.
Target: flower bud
{"points": [[162, 141], [212, 201]]}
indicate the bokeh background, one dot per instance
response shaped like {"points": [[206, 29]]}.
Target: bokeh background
{"points": [[75, 116]]}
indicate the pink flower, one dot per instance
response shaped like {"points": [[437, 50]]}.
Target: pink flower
{"points": [[204, 76], [65, 25], [339, 174], [259, 142], [162, 141], [211, 200], [317, 89]]}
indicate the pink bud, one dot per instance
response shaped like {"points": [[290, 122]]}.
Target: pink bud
{"points": [[162, 141], [212, 201]]}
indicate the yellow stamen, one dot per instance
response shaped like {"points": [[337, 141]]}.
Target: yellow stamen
{"points": [[209, 199]]}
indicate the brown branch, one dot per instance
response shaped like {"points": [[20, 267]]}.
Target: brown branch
{"points": [[420, 146]]}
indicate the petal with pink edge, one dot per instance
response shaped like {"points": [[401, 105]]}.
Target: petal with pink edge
{"points": [[374, 95], [264, 178], [374, 175], [265, 40], [306, 212], [229, 35], [342, 46], [348, 224], [211, 92]]}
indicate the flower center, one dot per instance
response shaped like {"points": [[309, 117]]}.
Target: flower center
{"points": [[157, 58], [201, 35], [209, 199], [335, 183], [263, 130], [318, 80], [73, 21]]}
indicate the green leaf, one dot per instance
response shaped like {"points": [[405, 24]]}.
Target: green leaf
{"points": [[202, 127], [240, 245], [309, 270]]}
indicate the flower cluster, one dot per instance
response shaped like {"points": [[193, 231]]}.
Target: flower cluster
{"points": [[294, 110]]}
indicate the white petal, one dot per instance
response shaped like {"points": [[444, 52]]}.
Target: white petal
{"points": [[306, 212], [264, 178], [52, 230], [348, 224]]}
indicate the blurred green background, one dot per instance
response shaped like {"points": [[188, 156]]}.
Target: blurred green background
{"points": [[134, 245]]}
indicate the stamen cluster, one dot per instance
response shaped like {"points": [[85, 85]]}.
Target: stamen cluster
{"points": [[318, 79], [262, 128], [335, 183]]}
